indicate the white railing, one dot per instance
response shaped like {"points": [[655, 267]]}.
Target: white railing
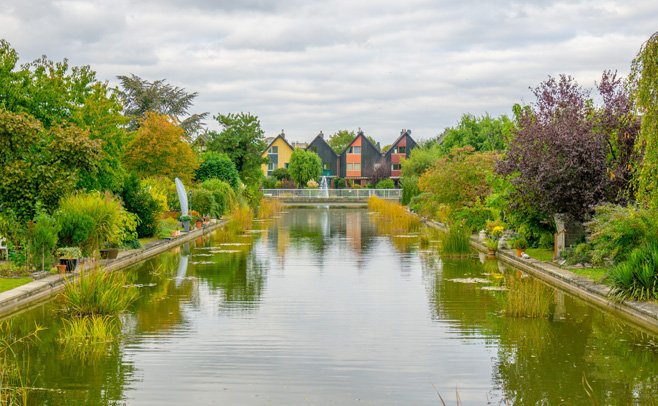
{"points": [[333, 193]]}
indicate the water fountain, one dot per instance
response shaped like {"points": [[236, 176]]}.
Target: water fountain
{"points": [[324, 187]]}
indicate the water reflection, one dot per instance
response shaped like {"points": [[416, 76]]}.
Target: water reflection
{"points": [[319, 307]]}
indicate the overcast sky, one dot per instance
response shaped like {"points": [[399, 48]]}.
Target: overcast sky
{"points": [[306, 66]]}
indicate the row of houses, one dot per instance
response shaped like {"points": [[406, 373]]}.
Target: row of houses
{"points": [[360, 162]]}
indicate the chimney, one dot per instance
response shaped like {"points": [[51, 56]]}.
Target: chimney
{"points": [[321, 134], [360, 132], [283, 135]]}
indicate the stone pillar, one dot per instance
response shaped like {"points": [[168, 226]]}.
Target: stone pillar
{"points": [[569, 232]]}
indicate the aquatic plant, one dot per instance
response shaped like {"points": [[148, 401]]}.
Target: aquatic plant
{"points": [[13, 385], [88, 336], [456, 242], [527, 297], [395, 219], [98, 293], [637, 277], [269, 207]]}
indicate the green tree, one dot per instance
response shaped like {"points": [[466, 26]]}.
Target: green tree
{"points": [[159, 149], [644, 79], [138, 200], [483, 133], [141, 96], [42, 233], [218, 166], [242, 139], [340, 140], [304, 166]]}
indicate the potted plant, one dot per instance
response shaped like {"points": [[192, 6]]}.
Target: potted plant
{"points": [[69, 256], [111, 251], [186, 222], [61, 268], [520, 244], [492, 246]]}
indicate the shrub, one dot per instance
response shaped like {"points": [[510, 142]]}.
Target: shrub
{"points": [[269, 182], [138, 200], [166, 226], [218, 166], [456, 241], [636, 277], [385, 184], [203, 201], [304, 166], [42, 232], [339, 183], [281, 174], [225, 197], [615, 231], [90, 220], [312, 184], [473, 218], [98, 293]]}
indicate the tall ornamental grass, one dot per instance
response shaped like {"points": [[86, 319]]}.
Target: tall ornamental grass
{"points": [[456, 241], [527, 297], [98, 293], [395, 219]]}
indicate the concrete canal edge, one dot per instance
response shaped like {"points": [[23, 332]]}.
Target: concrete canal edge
{"points": [[39, 290], [642, 314]]}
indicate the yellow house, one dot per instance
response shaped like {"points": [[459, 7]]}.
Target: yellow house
{"points": [[278, 154]]}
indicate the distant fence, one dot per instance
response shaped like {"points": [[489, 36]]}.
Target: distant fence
{"points": [[333, 194]]}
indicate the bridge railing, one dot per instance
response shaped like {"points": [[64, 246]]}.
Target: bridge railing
{"points": [[333, 193]]}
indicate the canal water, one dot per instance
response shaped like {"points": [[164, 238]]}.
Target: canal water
{"points": [[318, 307]]}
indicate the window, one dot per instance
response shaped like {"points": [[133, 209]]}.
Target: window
{"points": [[402, 150], [354, 150], [286, 164], [326, 166], [354, 167], [273, 149], [394, 150], [396, 167]]}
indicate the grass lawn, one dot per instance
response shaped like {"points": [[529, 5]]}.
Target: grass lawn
{"points": [[542, 254], [595, 274], [11, 283], [145, 241]]}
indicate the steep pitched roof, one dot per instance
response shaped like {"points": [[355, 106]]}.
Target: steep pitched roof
{"points": [[320, 138], [360, 133], [402, 134], [276, 138]]}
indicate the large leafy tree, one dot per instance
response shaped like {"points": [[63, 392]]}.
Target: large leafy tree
{"points": [[340, 140], [141, 96], [644, 77], [159, 149], [483, 133], [557, 161], [304, 166], [242, 139], [218, 166], [40, 165]]}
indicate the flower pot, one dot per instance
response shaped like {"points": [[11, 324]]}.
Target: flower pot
{"points": [[109, 253], [61, 268], [186, 225], [491, 253], [198, 225], [175, 233], [70, 263], [519, 251]]}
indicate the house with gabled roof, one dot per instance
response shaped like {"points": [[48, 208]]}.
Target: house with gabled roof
{"points": [[278, 153], [330, 160], [400, 150], [359, 160]]}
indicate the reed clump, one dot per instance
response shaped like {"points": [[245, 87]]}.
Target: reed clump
{"points": [[527, 297], [13, 383], [98, 293], [88, 336], [394, 218], [240, 219], [269, 207], [456, 242]]}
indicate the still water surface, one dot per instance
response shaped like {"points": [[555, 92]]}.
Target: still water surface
{"points": [[317, 307]]}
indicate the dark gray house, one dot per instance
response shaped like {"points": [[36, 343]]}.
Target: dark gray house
{"points": [[400, 150], [359, 160], [330, 162]]}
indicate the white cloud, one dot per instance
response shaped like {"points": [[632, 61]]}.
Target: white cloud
{"points": [[326, 65]]}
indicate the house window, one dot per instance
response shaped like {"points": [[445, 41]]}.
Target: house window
{"points": [[394, 150], [273, 150], [286, 164], [326, 166], [402, 149], [354, 167], [354, 150], [396, 167]]}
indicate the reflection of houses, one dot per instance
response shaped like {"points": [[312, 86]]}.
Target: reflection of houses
{"points": [[330, 161], [358, 161], [399, 150], [353, 230], [278, 153]]}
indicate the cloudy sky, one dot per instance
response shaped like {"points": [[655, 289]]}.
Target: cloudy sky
{"points": [[306, 66]]}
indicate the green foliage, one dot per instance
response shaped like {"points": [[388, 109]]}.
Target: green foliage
{"points": [[527, 297], [138, 200], [218, 166], [88, 336], [203, 201], [520, 243], [644, 79], [281, 174], [482, 133], [615, 231], [166, 226], [69, 252], [98, 293], [242, 139], [40, 166], [421, 159], [90, 220], [385, 184], [340, 140], [339, 183], [456, 241], [304, 166], [269, 182], [636, 277], [42, 233], [410, 189], [224, 197], [473, 218]]}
